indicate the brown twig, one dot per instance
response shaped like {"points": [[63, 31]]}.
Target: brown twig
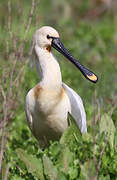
{"points": [[9, 35], [6, 113], [15, 40], [100, 160], [97, 117], [98, 110], [6, 172], [112, 109], [9, 99], [29, 20], [4, 97], [95, 108], [94, 123], [21, 46], [9, 18], [19, 75], [7, 48], [3, 144]]}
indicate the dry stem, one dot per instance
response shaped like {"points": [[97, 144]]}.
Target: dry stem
{"points": [[21, 46], [9, 99]]}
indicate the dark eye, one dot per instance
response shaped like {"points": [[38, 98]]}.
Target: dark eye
{"points": [[48, 37]]}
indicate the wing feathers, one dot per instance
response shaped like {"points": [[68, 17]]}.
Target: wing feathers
{"points": [[77, 108]]}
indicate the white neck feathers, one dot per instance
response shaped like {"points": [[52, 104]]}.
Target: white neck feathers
{"points": [[50, 73]]}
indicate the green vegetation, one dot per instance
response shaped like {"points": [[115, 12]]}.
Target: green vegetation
{"points": [[91, 36]]}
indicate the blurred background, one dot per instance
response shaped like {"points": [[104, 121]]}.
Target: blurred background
{"points": [[88, 28]]}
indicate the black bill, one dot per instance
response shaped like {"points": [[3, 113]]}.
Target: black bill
{"points": [[57, 44]]}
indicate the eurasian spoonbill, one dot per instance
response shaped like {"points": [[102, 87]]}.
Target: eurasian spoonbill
{"points": [[50, 101]]}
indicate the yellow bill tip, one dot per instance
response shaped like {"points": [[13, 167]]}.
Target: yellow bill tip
{"points": [[92, 77]]}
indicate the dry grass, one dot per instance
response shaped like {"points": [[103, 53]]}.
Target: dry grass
{"points": [[9, 93]]}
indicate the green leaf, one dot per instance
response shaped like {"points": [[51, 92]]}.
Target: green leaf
{"points": [[66, 159], [88, 170], [114, 116], [33, 164], [115, 140], [107, 127], [104, 177], [87, 137], [73, 172], [71, 135], [55, 149], [17, 178], [49, 169], [61, 176]]}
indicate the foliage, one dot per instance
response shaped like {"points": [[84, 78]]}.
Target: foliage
{"points": [[79, 159], [93, 40]]}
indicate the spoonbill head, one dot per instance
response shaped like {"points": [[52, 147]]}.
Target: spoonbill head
{"points": [[41, 37], [50, 101]]}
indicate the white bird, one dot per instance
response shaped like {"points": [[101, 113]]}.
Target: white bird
{"points": [[50, 101]]}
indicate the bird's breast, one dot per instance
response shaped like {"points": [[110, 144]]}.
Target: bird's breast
{"points": [[47, 100], [49, 112]]}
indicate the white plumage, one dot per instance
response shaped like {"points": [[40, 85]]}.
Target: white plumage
{"points": [[50, 101]]}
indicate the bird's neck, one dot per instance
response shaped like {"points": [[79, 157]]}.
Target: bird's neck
{"points": [[48, 69]]}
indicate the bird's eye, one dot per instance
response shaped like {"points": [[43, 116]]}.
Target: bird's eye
{"points": [[48, 37]]}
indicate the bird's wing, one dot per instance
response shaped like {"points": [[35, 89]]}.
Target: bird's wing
{"points": [[77, 108], [28, 113]]}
